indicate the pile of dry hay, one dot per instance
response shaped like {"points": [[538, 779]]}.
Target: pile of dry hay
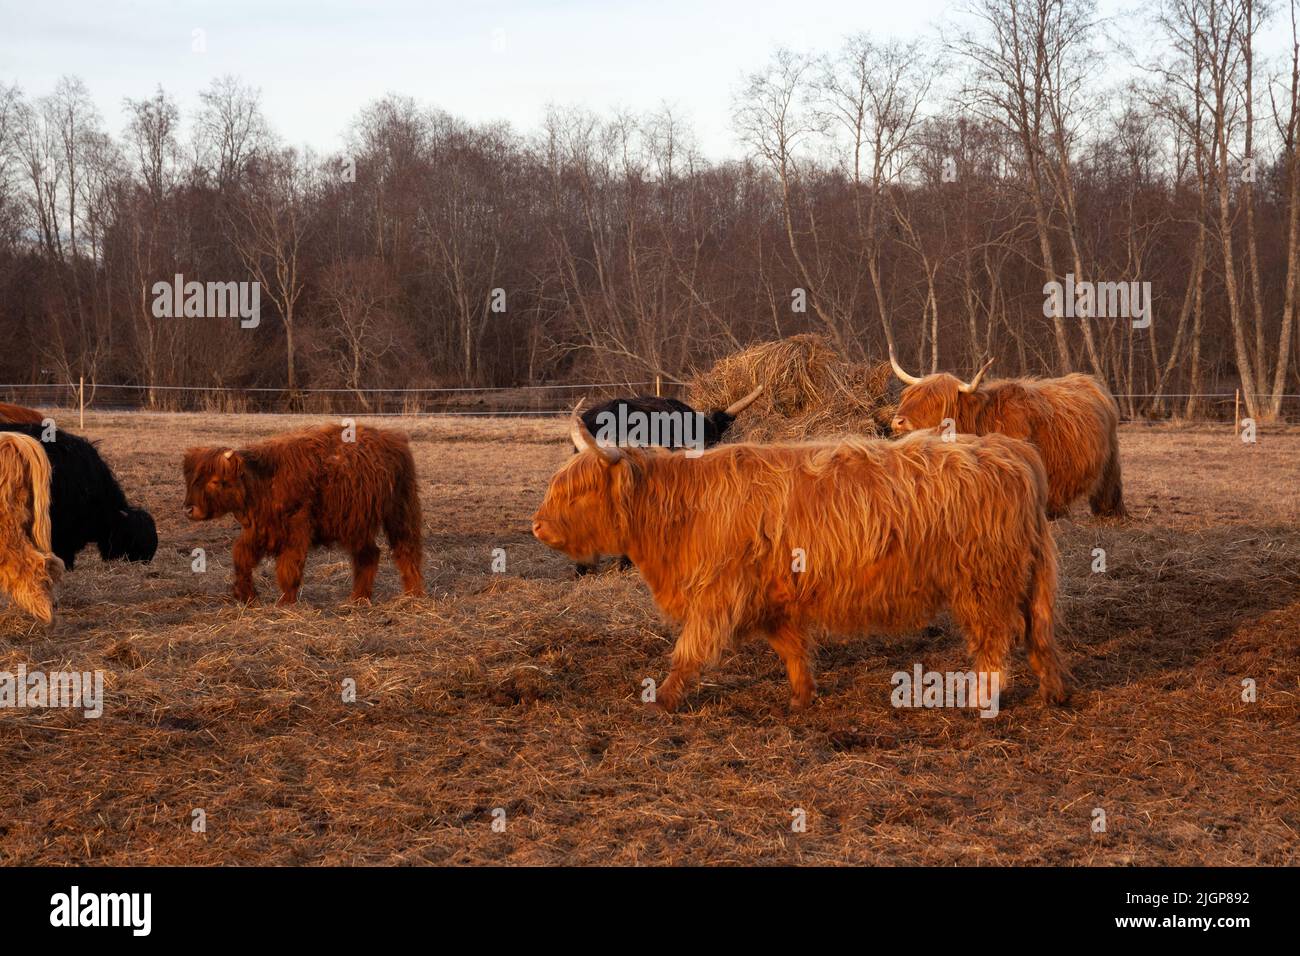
{"points": [[810, 391]]}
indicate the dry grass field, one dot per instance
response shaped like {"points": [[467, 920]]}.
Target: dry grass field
{"points": [[521, 690]]}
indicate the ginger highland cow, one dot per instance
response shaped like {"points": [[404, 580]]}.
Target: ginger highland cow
{"points": [[307, 489], [1072, 420], [890, 532], [29, 571]]}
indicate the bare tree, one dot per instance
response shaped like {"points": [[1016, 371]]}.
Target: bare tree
{"points": [[872, 94], [268, 227], [1021, 53], [359, 330], [230, 130], [623, 254], [775, 117]]}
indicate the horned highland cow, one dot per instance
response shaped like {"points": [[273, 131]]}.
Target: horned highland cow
{"points": [[650, 409], [1072, 420], [29, 571], [87, 505], [890, 532], [312, 488]]}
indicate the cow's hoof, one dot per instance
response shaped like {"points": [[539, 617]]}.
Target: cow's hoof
{"points": [[1113, 520], [662, 705], [1056, 696]]}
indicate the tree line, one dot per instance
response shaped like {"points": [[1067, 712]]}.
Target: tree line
{"points": [[919, 195]]}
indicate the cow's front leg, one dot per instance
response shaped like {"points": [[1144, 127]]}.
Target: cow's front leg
{"points": [[698, 645], [246, 555]]}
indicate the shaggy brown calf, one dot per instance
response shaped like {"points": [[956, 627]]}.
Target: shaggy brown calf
{"points": [[20, 414], [28, 571], [781, 539], [307, 489], [1073, 421]]}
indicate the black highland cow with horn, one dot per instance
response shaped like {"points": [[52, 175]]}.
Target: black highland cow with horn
{"points": [[649, 420]]}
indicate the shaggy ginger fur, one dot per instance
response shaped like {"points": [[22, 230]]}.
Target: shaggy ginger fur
{"points": [[28, 571], [1073, 421], [890, 533], [307, 489], [20, 414]]}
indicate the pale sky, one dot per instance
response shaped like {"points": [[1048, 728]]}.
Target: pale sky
{"points": [[318, 63]]}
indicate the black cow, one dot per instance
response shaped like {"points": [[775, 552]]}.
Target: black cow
{"points": [[87, 504], [713, 425]]}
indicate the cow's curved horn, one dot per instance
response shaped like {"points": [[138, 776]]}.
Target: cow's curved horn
{"points": [[898, 370], [974, 383], [735, 408], [582, 439]]}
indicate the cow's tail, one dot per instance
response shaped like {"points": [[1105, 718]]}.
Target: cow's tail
{"points": [[403, 522], [38, 476], [1107, 500], [1040, 619]]}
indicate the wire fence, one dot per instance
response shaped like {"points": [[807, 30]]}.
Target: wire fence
{"points": [[502, 402], [480, 401], [1230, 407]]}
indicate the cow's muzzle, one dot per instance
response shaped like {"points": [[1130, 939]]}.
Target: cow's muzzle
{"points": [[544, 532]]}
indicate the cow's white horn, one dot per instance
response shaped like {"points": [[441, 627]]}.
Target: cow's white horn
{"points": [[735, 408], [582, 439], [974, 383], [898, 369]]}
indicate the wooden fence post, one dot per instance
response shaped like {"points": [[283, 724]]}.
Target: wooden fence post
{"points": [[658, 388], [81, 401], [1236, 413]]}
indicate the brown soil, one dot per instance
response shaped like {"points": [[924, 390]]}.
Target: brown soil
{"points": [[521, 691]]}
